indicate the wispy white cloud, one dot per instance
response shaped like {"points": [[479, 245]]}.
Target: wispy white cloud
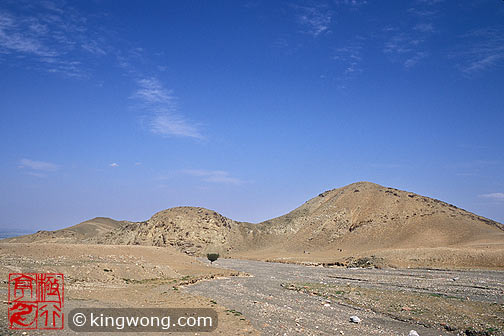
{"points": [[36, 174], [407, 47], [497, 196], [350, 56], [481, 50], [413, 60], [314, 19], [151, 91], [483, 62], [164, 117], [114, 164], [349, 61], [15, 38], [35, 167], [169, 124], [422, 12], [56, 38], [351, 2], [424, 27], [93, 47], [429, 2], [401, 43], [47, 36], [409, 44], [214, 176]]}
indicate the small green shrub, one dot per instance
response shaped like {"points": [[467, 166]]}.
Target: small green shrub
{"points": [[212, 257]]}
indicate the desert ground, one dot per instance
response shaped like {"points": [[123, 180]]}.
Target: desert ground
{"points": [[118, 276], [256, 297], [397, 260], [357, 225], [287, 299]]}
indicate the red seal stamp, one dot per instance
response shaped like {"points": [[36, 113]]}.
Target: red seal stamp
{"points": [[36, 301]]}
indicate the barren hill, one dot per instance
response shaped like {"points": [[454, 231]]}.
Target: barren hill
{"points": [[189, 229], [78, 233], [368, 215], [361, 220], [365, 217]]}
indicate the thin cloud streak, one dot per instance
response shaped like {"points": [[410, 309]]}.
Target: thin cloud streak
{"points": [[58, 39], [164, 118], [351, 3], [350, 57], [167, 124], [38, 165], [402, 44], [485, 51], [424, 27], [50, 38], [315, 20], [14, 37], [417, 57], [407, 45], [214, 176], [498, 196], [151, 91]]}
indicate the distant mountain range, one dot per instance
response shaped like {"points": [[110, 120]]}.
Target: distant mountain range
{"points": [[8, 234], [339, 226]]}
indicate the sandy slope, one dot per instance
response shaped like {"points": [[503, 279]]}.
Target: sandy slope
{"points": [[383, 226], [78, 233], [118, 276]]}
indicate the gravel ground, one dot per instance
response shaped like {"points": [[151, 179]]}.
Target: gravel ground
{"points": [[276, 311]]}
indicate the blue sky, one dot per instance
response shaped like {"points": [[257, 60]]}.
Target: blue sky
{"points": [[122, 109]]}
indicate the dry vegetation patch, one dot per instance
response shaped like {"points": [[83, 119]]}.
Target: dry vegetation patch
{"points": [[428, 309], [118, 277]]}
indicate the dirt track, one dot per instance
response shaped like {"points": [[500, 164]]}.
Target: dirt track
{"points": [[276, 311]]}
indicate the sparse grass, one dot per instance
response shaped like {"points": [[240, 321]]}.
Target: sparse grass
{"points": [[428, 309], [156, 281], [445, 296], [234, 312]]}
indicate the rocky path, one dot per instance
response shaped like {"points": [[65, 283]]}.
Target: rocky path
{"points": [[276, 311]]}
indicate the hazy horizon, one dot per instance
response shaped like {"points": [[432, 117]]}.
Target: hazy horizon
{"points": [[247, 108]]}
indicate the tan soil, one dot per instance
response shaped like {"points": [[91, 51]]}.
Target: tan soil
{"points": [[119, 276], [341, 226], [428, 309]]}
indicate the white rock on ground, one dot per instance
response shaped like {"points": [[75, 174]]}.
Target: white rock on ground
{"points": [[413, 333], [355, 319]]}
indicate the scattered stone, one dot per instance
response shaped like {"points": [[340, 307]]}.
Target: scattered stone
{"points": [[355, 319], [413, 333]]}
